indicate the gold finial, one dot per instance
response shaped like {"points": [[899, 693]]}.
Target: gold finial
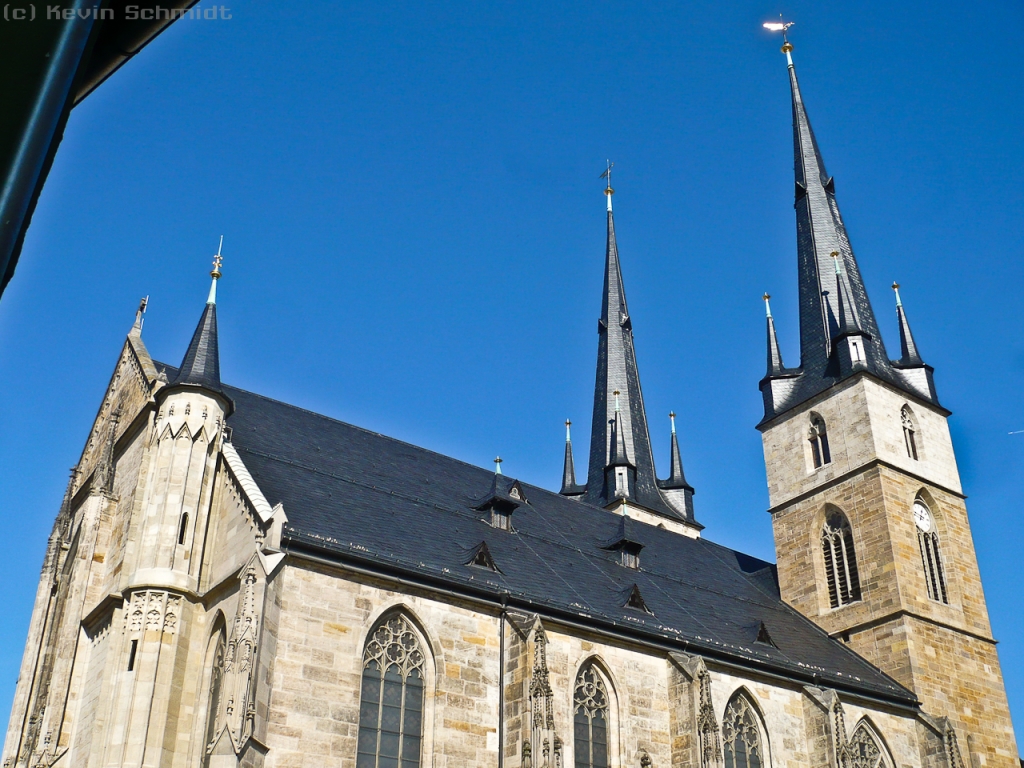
{"points": [[896, 290], [766, 297], [217, 260], [783, 27], [895, 286], [607, 175]]}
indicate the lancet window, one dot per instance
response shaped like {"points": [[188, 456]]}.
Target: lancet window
{"points": [[909, 433], [590, 719], [213, 721], [741, 734], [818, 437], [391, 700], [840, 560], [931, 559]]}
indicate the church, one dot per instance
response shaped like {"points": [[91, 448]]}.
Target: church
{"points": [[235, 581]]}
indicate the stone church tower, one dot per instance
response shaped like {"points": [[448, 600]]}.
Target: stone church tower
{"points": [[871, 528]]}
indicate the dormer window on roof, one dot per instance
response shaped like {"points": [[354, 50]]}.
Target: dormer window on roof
{"points": [[505, 496], [626, 543]]}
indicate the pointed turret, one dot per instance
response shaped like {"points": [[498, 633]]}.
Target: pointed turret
{"points": [[838, 331], [675, 489], [621, 465], [910, 367], [569, 487], [909, 356], [775, 365], [201, 364]]}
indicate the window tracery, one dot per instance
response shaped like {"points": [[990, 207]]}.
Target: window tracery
{"points": [[741, 735], [590, 719], [863, 751], [840, 560], [931, 559], [391, 700]]}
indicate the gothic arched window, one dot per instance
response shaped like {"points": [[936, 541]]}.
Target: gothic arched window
{"points": [[840, 560], [741, 734], [391, 701], [864, 750], [218, 647], [931, 560], [818, 437], [909, 432], [590, 719]]}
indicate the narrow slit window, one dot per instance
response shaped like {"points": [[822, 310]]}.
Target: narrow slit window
{"points": [[818, 436], [909, 433], [131, 655], [183, 528]]}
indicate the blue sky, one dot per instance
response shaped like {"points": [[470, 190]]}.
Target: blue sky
{"points": [[414, 235]]}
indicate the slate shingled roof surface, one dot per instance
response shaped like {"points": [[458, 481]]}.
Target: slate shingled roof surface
{"points": [[368, 500]]}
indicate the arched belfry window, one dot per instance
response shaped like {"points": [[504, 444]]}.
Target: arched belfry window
{"points": [[909, 432], [864, 749], [818, 437], [742, 745], [931, 559], [840, 559], [590, 719], [391, 700]]}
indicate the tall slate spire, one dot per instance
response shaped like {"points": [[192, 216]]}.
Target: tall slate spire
{"points": [[838, 331], [201, 364], [620, 440]]}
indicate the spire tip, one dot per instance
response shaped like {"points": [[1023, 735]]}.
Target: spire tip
{"points": [[215, 272]]}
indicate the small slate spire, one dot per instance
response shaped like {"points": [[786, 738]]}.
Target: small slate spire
{"points": [[847, 317], [908, 349], [676, 479], [569, 487], [619, 457], [775, 365], [201, 364]]}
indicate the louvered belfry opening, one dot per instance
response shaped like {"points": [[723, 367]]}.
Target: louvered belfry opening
{"points": [[840, 560]]}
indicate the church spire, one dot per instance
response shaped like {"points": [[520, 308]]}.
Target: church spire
{"points": [[201, 364], [569, 487], [621, 462], [820, 233], [839, 334]]}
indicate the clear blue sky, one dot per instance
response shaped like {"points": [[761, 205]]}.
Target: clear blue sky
{"points": [[414, 235]]}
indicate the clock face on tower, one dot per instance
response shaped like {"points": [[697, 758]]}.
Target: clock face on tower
{"points": [[922, 517]]}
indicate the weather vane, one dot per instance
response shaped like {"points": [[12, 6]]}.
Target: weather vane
{"points": [[783, 27]]}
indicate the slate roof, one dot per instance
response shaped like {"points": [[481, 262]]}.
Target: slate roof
{"points": [[201, 364], [364, 499]]}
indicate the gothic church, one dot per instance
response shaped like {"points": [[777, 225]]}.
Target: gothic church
{"points": [[234, 581]]}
